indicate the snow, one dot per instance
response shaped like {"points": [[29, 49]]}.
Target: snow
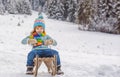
{"points": [[83, 53]]}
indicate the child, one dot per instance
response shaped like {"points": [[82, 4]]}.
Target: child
{"points": [[40, 41]]}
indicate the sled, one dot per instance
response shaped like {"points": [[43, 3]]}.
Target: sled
{"points": [[50, 62]]}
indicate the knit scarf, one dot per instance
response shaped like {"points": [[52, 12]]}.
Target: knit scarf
{"points": [[37, 36]]}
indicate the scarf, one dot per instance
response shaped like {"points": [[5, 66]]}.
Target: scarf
{"points": [[38, 38]]}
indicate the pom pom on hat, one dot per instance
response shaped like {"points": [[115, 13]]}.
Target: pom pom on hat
{"points": [[40, 16]]}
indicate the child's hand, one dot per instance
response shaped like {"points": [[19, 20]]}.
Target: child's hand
{"points": [[32, 41], [48, 42]]}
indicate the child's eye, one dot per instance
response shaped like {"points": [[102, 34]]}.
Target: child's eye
{"points": [[38, 28]]}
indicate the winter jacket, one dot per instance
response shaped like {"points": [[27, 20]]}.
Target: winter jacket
{"points": [[46, 37]]}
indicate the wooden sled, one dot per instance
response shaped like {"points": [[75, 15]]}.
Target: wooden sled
{"points": [[50, 62]]}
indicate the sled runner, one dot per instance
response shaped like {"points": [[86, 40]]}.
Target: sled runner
{"points": [[50, 62]]}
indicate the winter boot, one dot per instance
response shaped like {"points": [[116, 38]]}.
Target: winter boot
{"points": [[29, 70], [59, 71]]}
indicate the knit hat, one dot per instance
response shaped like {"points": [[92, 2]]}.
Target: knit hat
{"points": [[39, 22]]}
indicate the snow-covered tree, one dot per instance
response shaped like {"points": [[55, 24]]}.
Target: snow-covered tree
{"points": [[10, 6], [107, 18], [56, 10], [37, 4], [71, 4], [15, 6], [62, 9], [23, 7], [83, 15], [117, 15], [2, 8]]}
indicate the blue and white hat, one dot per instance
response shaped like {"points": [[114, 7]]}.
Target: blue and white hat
{"points": [[39, 22]]}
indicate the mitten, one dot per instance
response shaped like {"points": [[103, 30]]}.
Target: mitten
{"points": [[32, 41], [48, 42]]}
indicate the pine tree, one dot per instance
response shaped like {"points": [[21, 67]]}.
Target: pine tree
{"points": [[52, 9], [84, 14], [117, 15], [2, 8], [106, 18], [102, 15], [23, 7], [41, 6], [36, 4], [15, 6], [62, 10], [71, 10], [10, 6], [31, 3]]}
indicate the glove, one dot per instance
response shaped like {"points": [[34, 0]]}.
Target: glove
{"points": [[32, 41], [48, 42]]}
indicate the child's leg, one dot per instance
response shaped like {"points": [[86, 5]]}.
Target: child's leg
{"points": [[58, 57], [51, 52], [54, 52], [31, 56]]}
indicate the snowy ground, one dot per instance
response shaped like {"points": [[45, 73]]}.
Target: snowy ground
{"points": [[83, 53]]}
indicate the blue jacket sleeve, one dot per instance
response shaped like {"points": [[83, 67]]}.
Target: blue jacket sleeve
{"points": [[54, 41], [25, 40]]}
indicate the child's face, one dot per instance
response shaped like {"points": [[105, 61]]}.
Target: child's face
{"points": [[39, 29]]}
